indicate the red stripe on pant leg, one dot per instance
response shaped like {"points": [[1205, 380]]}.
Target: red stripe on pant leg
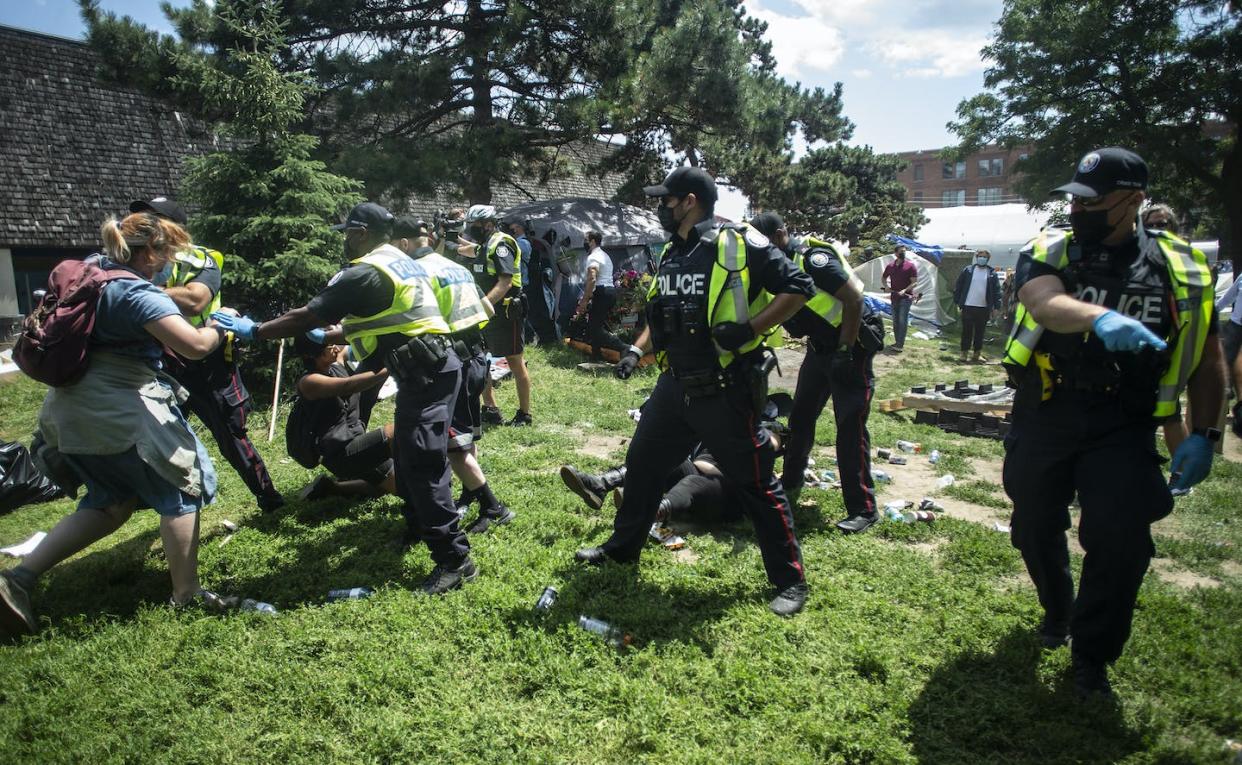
{"points": [[789, 536], [869, 502]]}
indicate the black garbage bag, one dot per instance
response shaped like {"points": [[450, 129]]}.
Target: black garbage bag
{"points": [[21, 483]]}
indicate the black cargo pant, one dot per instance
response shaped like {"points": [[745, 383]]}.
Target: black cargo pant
{"points": [[602, 301], [219, 399], [974, 326], [726, 424], [851, 405], [1086, 445], [420, 453]]}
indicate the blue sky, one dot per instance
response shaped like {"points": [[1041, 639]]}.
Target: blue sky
{"points": [[905, 64]]}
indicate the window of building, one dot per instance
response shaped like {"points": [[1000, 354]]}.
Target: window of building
{"points": [[989, 196], [1024, 156], [954, 170], [953, 197], [918, 171], [918, 196], [989, 168]]}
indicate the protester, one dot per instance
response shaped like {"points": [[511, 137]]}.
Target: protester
{"points": [[900, 278], [218, 395], [392, 320], [710, 344], [1115, 322], [467, 313], [1231, 341], [360, 459], [598, 297], [119, 427], [1161, 218], [977, 295]]}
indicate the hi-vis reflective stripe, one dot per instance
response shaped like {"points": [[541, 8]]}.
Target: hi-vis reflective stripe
{"points": [[415, 314], [733, 263]]}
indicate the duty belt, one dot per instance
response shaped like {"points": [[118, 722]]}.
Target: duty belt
{"points": [[702, 384]]}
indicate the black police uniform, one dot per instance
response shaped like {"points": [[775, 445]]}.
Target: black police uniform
{"points": [[505, 332], [850, 388], [685, 408], [220, 400], [1094, 437], [421, 424]]}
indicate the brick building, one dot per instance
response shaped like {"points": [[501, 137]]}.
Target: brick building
{"points": [[75, 150], [983, 178]]}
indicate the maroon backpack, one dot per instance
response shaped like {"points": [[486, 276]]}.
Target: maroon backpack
{"points": [[56, 335]]}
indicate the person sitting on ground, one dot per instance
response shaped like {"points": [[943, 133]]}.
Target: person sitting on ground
{"points": [[119, 428], [360, 459]]}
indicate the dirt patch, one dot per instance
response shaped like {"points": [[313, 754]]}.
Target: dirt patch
{"points": [[917, 479], [931, 548], [686, 555], [603, 446], [1174, 574]]}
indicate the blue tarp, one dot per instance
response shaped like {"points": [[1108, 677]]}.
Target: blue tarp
{"points": [[931, 252]]}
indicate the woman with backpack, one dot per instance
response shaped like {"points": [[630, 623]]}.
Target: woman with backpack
{"points": [[118, 426]]}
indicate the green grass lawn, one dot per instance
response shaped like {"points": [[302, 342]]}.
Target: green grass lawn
{"points": [[916, 644]]}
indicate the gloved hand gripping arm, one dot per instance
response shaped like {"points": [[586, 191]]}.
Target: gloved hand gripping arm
{"points": [[630, 358]]}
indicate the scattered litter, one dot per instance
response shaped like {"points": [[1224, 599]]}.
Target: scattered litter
{"points": [[388, 389], [353, 593], [934, 457], [249, 604], [922, 335], [231, 528], [596, 367], [895, 460], [883, 453], [665, 536], [226, 523], [546, 599], [910, 447], [998, 526], [25, 548], [809, 476], [927, 503], [498, 368], [879, 476], [945, 481], [635, 414], [810, 462], [610, 634]]}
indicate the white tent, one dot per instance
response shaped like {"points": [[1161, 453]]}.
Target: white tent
{"points": [[935, 302], [1000, 229]]}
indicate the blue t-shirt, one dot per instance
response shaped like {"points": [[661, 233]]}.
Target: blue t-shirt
{"points": [[524, 246], [124, 307]]}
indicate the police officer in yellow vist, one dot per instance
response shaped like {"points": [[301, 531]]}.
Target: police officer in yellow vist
{"points": [[1115, 321], [389, 309], [719, 291], [217, 394], [837, 365], [497, 267]]}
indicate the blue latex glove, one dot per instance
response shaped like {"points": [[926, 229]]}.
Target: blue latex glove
{"points": [[1192, 461], [317, 336], [1120, 333], [241, 326]]}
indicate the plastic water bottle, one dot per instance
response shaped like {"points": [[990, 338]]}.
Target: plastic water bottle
{"points": [[879, 476], [828, 476], [909, 447], [353, 593], [546, 599], [250, 604], [920, 516], [892, 511], [945, 481], [934, 457], [610, 634]]}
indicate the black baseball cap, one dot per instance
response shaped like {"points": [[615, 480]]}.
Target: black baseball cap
{"points": [[686, 180], [163, 207], [768, 223], [1105, 170], [409, 227], [369, 216]]}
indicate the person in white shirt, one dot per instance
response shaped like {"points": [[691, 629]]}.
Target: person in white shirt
{"points": [[977, 293], [599, 295]]}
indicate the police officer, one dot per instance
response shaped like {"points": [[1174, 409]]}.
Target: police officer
{"points": [[836, 365], [1114, 322], [498, 271], [719, 290], [464, 308], [217, 394], [389, 309]]}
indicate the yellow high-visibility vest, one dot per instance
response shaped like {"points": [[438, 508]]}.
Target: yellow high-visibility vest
{"points": [[824, 304], [495, 240], [415, 308], [188, 264], [461, 302]]}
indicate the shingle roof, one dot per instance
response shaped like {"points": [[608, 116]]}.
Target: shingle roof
{"points": [[75, 150]]}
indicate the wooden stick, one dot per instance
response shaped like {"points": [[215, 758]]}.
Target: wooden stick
{"points": [[280, 364]]}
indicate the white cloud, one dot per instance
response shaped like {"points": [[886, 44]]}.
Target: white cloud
{"points": [[914, 38], [801, 45]]}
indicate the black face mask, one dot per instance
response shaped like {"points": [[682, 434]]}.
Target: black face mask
{"points": [[1092, 226], [667, 221]]}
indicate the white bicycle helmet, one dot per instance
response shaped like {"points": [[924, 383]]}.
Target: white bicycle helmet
{"points": [[478, 213]]}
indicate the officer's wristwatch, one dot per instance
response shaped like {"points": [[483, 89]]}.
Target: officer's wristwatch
{"points": [[1211, 434]]}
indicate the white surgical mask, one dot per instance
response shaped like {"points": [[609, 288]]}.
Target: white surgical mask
{"points": [[981, 261]]}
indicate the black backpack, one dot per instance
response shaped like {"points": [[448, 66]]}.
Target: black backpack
{"points": [[301, 440]]}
